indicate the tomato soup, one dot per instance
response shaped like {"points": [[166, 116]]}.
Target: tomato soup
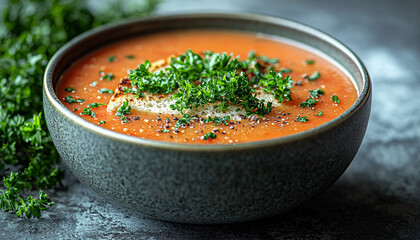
{"points": [[88, 85]]}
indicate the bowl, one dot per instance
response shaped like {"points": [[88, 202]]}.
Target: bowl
{"points": [[210, 184]]}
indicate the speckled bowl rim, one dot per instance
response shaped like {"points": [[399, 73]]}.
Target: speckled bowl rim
{"points": [[364, 93]]}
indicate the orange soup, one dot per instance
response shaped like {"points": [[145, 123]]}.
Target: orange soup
{"points": [[320, 91]]}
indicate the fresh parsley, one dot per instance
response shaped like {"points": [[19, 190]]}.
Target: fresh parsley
{"points": [[302, 119], [215, 78], [112, 59], [310, 61], [95, 105], [335, 99], [309, 103], [70, 99], [314, 76], [218, 120], [184, 121], [210, 135], [69, 89], [88, 111], [104, 90], [30, 33], [108, 77], [316, 93], [124, 109]]}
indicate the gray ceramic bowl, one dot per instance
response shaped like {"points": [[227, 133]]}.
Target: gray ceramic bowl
{"points": [[216, 183]]}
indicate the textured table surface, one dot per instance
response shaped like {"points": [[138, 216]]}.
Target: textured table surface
{"points": [[378, 196]]}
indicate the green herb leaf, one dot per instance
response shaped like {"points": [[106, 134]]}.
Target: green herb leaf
{"points": [[104, 90], [302, 119], [319, 114], [30, 33], [310, 61], [218, 120], [308, 103], [70, 99], [102, 122], [210, 135], [112, 59], [69, 89], [316, 93], [316, 75], [88, 111], [124, 109], [130, 57], [95, 105], [184, 121], [108, 77], [164, 130], [94, 83], [335, 99]]}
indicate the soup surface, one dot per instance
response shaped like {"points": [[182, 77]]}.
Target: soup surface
{"points": [[88, 85]]}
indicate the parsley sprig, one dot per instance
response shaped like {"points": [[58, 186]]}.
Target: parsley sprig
{"points": [[27, 41], [215, 78]]}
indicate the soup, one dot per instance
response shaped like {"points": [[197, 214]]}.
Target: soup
{"points": [[98, 87]]}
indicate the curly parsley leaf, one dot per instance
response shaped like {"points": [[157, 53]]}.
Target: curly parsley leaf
{"points": [[335, 99], [210, 135], [302, 119], [124, 109]]}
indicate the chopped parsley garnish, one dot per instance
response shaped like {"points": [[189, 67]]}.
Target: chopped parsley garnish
{"points": [[312, 101], [88, 111], [314, 76], [112, 59], [95, 105], [310, 61], [274, 82], [164, 130], [134, 91], [309, 103], [124, 109], [319, 114], [315, 93], [215, 78], [94, 83], [184, 121], [302, 119], [130, 57], [107, 77], [104, 90], [102, 122], [253, 55], [285, 70], [210, 135], [69, 89], [218, 120], [125, 120], [70, 99], [335, 99]]}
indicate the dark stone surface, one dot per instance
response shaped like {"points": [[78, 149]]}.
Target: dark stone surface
{"points": [[378, 197]]}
